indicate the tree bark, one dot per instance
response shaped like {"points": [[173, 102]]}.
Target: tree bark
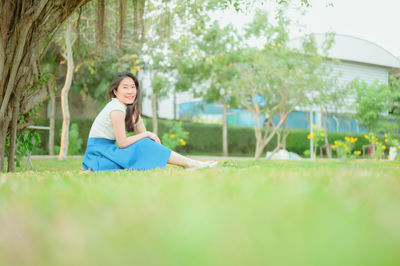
{"points": [[224, 129], [154, 112], [26, 27], [175, 105], [101, 7], [141, 14], [328, 149], [3, 134], [13, 137], [259, 149], [52, 115], [278, 145], [135, 20], [64, 96], [122, 15], [261, 143]]}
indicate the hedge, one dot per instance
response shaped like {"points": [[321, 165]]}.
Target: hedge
{"points": [[206, 138]]}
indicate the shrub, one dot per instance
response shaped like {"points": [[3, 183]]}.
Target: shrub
{"points": [[176, 136], [207, 138], [26, 141]]}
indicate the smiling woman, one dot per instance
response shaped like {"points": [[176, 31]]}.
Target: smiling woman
{"points": [[143, 151]]}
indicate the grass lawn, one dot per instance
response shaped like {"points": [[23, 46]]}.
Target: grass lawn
{"points": [[239, 213]]}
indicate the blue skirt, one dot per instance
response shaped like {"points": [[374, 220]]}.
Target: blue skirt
{"points": [[103, 154]]}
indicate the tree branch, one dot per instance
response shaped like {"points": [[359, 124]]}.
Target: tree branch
{"points": [[33, 100]]}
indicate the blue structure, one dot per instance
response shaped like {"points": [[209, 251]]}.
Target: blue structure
{"points": [[241, 117]]}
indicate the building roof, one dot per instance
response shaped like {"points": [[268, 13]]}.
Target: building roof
{"points": [[350, 48]]}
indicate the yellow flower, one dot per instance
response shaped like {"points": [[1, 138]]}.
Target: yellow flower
{"points": [[310, 135], [314, 126], [386, 135], [357, 152], [366, 136], [183, 142], [333, 147], [335, 142], [384, 147], [172, 136], [386, 140], [322, 134]]}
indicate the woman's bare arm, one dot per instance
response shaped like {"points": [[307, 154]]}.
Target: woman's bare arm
{"points": [[118, 123], [140, 127]]}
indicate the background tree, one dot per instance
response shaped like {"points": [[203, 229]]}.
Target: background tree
{"points": [[393, 126], [167, 23], [49, 68], [275, 80], [372, 103], [332, 96], [218, 47], [27, 27], [69, 57]]}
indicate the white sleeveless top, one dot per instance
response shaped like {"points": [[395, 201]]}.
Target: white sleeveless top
{"points": [[102, 125]]}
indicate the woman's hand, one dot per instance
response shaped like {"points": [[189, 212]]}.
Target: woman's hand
{"points": [[153, 136]]}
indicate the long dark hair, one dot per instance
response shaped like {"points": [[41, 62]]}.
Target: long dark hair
{"points": [[132, 110]]}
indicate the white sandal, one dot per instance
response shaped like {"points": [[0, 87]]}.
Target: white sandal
{"points": [[207, 164]]}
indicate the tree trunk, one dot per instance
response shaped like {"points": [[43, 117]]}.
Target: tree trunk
{"points": [[26, 28], [135, 20], [64, 96], [52, 115], [328, 149], [13, 137], [224, 129], [122, 15], [154, 112], [3, 133], [101, 7], [284, 137], [285, 133], [278, 145], [141, 14], [259, 149], [175, 109], [261, 142]]}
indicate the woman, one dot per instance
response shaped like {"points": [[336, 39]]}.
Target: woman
{"points": [[109, 148]]}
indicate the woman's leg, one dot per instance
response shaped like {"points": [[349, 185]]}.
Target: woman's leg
{"points": [[180, 160]]}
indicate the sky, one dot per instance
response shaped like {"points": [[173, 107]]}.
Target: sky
{"points": [[373, 20]]}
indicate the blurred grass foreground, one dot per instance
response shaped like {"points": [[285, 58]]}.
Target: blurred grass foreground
{"points": [[239, 213]]}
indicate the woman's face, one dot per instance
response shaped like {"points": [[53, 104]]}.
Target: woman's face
{"points": [[126, 91]]}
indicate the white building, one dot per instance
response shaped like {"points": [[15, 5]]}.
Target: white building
{"points": [[358, 58]]}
